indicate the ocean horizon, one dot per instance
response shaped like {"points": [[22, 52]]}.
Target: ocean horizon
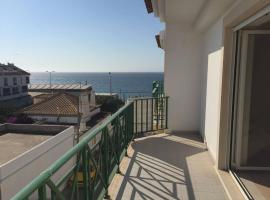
{"points": [[125, 83]]}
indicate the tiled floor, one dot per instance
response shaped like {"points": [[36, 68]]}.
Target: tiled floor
{"points": [[257, 182], [169, 167]]}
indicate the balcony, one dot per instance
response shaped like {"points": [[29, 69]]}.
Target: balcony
{"points": [[129, 156]]}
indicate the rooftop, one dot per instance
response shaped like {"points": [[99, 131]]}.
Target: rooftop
{"points": [[14, 144], [15, 139], [61, 104], [11, 69]]}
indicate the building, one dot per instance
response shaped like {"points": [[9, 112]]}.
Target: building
{"points": [[27, 150], [13, 86], [85, 92], [62, 108], [216, 74]]}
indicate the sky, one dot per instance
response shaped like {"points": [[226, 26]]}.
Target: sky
{"points": [[79, 36]]}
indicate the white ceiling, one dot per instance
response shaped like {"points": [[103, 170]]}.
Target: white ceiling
{"points": [[200, 13], [183, 10]]}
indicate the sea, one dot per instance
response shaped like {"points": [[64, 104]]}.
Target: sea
{"points": [[123, 83]]}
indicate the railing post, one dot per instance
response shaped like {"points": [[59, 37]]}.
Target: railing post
{"points": [[132, 120], [85, 165], [117, 141], [167, 107], [42, 195], [105, 156]]}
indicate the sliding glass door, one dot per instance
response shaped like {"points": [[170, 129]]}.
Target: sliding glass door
{"points": [[251, 124]]}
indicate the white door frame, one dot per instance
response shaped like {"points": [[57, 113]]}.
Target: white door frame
{"points": [[242, 101]]}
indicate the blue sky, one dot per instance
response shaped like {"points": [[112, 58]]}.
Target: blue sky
{"points": [[79, 35]]}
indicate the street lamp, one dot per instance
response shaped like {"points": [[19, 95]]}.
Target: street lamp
{"points": [[50, 72], [110, 77]]}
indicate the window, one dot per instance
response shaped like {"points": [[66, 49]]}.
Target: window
{"points": [[24, 89], [15, 90], [5, 81], [27, 80], [6, 92], [14, 81]]}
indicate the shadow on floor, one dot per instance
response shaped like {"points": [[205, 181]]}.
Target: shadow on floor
{"points": [[158, 167]]}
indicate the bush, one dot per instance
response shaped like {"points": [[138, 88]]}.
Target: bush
{"points": [[19, 119], [112, 105]]}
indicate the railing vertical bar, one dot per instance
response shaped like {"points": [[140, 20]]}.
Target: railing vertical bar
{"points": [[132, 119], [136, 117], [162, 112], [126, 127], [152, 114], [166, 125], [42, 193], [85, 162], [157, 114], [141, 116], [105, 157], [147, 114]]}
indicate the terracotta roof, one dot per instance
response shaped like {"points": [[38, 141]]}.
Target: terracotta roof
{"points": [[61, 104], [12, 69], [149, 6]]}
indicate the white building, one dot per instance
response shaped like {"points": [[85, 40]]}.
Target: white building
{"points": [[13, 82], [217, 77], [62, 108], [84, 92]]}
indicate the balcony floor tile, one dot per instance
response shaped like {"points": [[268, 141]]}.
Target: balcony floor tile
{"points": [[167, 166]]}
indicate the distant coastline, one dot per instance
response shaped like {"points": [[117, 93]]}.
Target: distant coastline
{"points": [[126, 83]]}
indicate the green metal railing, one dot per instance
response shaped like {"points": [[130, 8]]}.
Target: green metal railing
{"points": [[150, 114], [96, 158]]}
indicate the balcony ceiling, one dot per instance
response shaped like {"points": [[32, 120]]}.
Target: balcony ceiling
{"points": [[183, 10], [199, 13]]}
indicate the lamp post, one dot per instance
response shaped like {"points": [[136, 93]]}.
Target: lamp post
{"points": [[110, 77], [50, 72]]}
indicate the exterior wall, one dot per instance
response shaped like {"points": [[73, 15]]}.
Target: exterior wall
{"points": [[217, 52], [182, 77], [21, 81], [241, 11], [18, 172], [52, 119], [16, 103], [211, 85], [84, 104]]}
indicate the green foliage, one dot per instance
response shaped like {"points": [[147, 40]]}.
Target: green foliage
{"points": [[112, 105]]}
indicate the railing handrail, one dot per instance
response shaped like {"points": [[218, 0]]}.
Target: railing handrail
{"points": [[46, 174]]}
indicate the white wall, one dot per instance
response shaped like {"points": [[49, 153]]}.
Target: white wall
{"points": [[17, 173], [182, 77], [69, 120], [193, 75], [212, 61]]}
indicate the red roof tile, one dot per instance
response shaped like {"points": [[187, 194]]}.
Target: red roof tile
{"points": [[61, 104]]}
